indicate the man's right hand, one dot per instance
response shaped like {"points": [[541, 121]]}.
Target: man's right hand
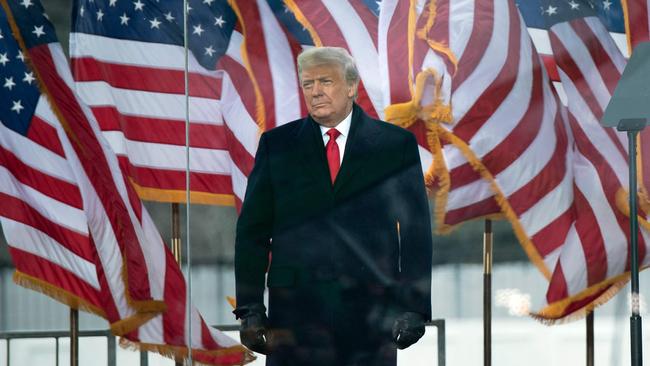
{"points": [[253, 332]]}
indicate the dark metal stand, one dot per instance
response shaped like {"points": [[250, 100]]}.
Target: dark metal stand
{"points": [[590, 339], [176, 244], [632, 126], [74, 337], [487, 293]]}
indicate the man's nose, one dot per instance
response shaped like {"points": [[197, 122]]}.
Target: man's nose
{"points": [[316, 89]]}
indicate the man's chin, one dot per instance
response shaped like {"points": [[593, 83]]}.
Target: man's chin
{"points": [[321, 118]]}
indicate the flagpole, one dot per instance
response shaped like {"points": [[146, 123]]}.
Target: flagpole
{"points": [[176, 244], [74, 337], [186, 78], [635, 319], [632, 127], [590, 339], [487, 293]]}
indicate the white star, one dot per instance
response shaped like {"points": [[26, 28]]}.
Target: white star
{"points": [[155, 23], [81, 10], [551, 10], [378, 5], [46, 16], [112, 3], [169, 17], [189, 8], [20, 56], [210, 51], [219, 21], [17, 106], [286, 8], [9, 83], [124, 20], [26, 3], [38, 31], [198, 30], [3, 58], [208, 2], [574, 5], [29, 77], [100, 15], [138, 5], [607, 4], [1, 36]]}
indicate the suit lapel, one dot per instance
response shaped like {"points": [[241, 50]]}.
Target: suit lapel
{"points": [[312, 153], [359, 146]]}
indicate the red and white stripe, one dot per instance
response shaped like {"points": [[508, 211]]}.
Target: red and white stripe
{"points": [[272, 55], [351, 25], [163, 276], [42, 211], [596, 253], [504, 112], [395, 72], [69, 185], [143, 120]]}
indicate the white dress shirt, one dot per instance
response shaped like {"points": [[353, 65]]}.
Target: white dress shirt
{"points": [[344, 128]]}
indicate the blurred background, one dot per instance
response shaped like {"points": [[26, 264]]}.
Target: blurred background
{"points": [[457, 294]]}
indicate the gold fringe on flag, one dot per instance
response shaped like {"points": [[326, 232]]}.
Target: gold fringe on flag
{"points": [[501, 200], [555, 313], [423, 34], [259, 100], [58, 294], [74, 302], [626, 17], [302, 19], [178, 196], [181, 353]]}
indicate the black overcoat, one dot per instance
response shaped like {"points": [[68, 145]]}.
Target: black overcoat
{"points": [[346, 258]]}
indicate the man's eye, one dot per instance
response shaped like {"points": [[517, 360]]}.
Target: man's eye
{"points": [[307, 85], [327, 82]]}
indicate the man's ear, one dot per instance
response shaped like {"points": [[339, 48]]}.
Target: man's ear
{"points": [[352, 90]]}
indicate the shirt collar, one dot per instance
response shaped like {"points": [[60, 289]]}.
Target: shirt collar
{"points": [[343, 127]]}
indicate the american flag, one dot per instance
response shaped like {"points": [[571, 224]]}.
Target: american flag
{"points": [[593, 262], [503, 150], [128, 63], [77, 230], [271, 51], [42, 211], [353, 26], [568, 220], [610, 13]]}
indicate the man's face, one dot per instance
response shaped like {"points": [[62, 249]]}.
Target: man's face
{"points": [[327, 95]]}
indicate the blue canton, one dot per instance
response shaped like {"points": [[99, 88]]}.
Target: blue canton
{"points": [[210, 23], [19, 92], [536, 13], [288, 20]]}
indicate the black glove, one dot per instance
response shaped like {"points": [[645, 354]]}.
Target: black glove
{"points": [[407, 329], [253, 331]]}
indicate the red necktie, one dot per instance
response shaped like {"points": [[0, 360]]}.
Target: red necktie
{"points": [[333, 154]]}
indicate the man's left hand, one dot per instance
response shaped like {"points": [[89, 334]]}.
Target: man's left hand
{"points": [[408, 329]]}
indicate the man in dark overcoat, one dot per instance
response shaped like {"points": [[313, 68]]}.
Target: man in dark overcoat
{"points": [[336, 211]]}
